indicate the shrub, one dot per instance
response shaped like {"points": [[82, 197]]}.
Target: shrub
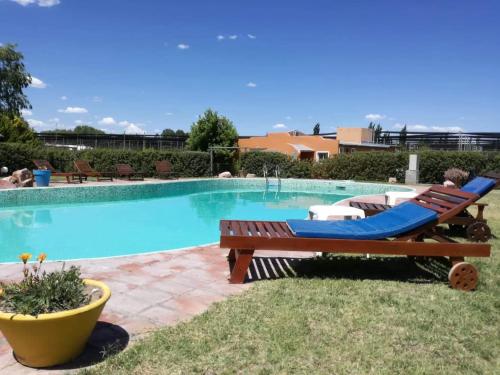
{"points": [[254, 161], [184, 163], [42, 293]]}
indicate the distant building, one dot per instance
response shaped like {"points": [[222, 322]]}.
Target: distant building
{"points": [[313, 147]]}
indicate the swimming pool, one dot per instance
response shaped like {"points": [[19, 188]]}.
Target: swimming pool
{"points": [[103, 221]]}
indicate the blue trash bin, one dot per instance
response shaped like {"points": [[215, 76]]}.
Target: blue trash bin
{"points": [[42, 177]]}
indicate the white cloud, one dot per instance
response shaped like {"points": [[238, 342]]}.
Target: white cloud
{"points": [[36, 123], [131, 128], [233, 37], [54, 120], [183, 46], [26, 112], [73, 110], [374, 117], [426, 128], [221, 37], [169, 114], [279, 126], [64, 97], [452, 129], [107, 121], [251, 84], [37, 83], [40, 3], [251, 36], [48, 3]]}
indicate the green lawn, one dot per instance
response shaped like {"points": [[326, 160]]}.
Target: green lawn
{"points": [[377, 316]]}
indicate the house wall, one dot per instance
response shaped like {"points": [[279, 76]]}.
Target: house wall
{"points": [[357, 135], [280, 142]]}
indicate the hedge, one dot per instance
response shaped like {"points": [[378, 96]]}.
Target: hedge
{"points": [[365, 166], [373, 166], [254, 161], [184, 163]]}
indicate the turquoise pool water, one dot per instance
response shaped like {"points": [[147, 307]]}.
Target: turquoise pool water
{"points": [[91, 222]]}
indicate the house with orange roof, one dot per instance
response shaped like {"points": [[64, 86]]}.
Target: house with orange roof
{"points": [[314, 147]]}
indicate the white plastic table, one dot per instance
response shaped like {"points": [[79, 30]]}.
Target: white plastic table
{"points": [[392, 196], [323, 212]]}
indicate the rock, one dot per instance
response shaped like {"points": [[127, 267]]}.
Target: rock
{"points": [[22, 178], [6, 184], [225, 175], [250, 175], [393, 180], [449, 184]]}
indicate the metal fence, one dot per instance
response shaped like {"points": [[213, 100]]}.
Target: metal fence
{"points": [[477, 141], [116, 141]]}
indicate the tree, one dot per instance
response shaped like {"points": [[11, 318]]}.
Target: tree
{"points": [[168, 133], [212, 130], [181, 133], [13, 80], [377, 131], [402, 136], [86, 129], [316, 129], [171, 133], [16, 129], [80, 129]]}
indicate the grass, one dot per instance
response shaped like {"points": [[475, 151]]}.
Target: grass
{"points": [[377, 316]]}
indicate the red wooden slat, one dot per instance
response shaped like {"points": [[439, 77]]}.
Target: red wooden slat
{"points": [[444, 197], [278, 229], [453, 192], [252, 228], [286, 229], [262, 230], [244, 228], [437, 201], [235, 227], [224, 228], [269, 228], [431, 207]]}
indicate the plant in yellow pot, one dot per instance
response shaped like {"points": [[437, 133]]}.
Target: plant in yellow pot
{"points": [[47, 318]]}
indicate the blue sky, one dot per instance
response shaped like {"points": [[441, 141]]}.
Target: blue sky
{"points": [[142, 66]]}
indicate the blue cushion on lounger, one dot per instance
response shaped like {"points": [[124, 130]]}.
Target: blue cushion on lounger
{"points": [[397, 220], [479, 186]]}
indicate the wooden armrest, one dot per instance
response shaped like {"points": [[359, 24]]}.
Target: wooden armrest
{"points": [[480, 204]]}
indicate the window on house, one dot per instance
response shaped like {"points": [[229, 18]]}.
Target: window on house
{"points": [[320, 155]]}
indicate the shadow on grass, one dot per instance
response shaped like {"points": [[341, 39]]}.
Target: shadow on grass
{"points": [[412, 270], [107, 339]]}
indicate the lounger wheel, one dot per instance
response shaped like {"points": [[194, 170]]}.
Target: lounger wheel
{"points": [[463, 276], [478, 232]]}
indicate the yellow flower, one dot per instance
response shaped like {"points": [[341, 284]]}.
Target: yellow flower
{"points": [[25, 257], [42, 257]]}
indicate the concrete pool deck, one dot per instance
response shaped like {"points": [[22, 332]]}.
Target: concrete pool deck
{"points": [[150, 291]]}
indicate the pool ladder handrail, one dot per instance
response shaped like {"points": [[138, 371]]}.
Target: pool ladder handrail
{"points": [[277, 173]]}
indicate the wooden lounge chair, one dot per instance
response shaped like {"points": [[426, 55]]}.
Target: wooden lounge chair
{"points": [[494, 175], [475, 227], [70, 176], [164, 169], [400, 230], [125, 170], [83, 167]]}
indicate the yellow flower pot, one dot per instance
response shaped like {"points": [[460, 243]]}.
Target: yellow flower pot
{"points": [[55, 338]]}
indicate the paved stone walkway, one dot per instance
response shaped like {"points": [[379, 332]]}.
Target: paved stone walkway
{"points": [[150, 291]]}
